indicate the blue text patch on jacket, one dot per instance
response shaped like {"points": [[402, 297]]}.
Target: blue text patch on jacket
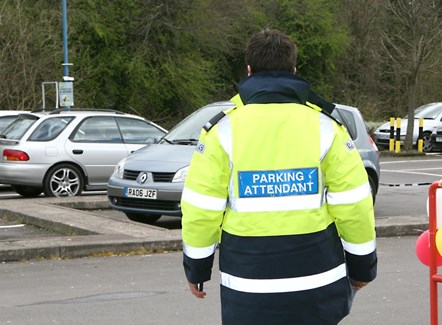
{"points": [[268, 183]]}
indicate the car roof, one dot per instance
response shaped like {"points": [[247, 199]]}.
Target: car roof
{"points": [[429, 110], [346, 106], [11, 112], [81, 112], [221, 103], [430, 104]]}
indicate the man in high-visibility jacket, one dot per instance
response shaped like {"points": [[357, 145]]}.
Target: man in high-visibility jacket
{"points": [[283, 191]]}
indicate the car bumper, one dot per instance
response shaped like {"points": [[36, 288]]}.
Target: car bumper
{"points": [[386, 142], [382, 139], [436, 142], [22, 173], [167, 201]]}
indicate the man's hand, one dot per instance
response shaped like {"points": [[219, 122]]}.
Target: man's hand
{"points": [[357, 285], [194, 290]]}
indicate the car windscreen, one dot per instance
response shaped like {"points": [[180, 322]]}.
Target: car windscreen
{"points": [[188, 130], [18, 128], [430, 112]]}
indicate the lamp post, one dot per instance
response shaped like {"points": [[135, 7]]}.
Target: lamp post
{"points": [[65, 39], [66, 88]]}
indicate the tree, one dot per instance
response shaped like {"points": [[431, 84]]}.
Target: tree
{"points": [[359, 70], [412, 43], [30, 51], [320, 37]]}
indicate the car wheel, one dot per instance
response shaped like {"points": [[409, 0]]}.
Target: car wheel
{"points": [[372, 187], [146, 218], [427, 146], [63, 180], [27, 191]]}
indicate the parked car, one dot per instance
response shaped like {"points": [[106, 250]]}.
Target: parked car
{"points": [[64, 152], [353, 120], [7, 116], [432, 117], [149, 183], [436, 139]]}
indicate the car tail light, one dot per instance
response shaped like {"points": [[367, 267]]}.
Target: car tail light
{"points": [[15, 155], [374, 145]]}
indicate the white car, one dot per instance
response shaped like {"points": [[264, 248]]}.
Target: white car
{"points": [[432, 117], [64, 152]]}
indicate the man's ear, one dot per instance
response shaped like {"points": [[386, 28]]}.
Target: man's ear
{"points": [[249, 70]]}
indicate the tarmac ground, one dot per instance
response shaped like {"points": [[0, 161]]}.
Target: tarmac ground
{"points": [[151, 289]]}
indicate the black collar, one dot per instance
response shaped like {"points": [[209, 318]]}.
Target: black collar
{"points": [[274, 87]]}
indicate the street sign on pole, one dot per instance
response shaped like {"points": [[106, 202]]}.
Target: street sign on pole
{"points": [[66, 94]]}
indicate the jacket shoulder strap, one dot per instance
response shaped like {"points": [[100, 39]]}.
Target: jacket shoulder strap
{"points": [[214, 120]]}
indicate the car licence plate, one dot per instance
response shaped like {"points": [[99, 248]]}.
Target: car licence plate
{"points": [[141, 193]]}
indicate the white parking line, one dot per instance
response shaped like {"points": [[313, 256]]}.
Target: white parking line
{"points": [[406, 161], [9, 195], [434, 168], [405, 171], [12, 226]]}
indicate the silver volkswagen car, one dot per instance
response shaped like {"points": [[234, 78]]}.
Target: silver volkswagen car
{"points": [[148, 183], [64, 152]]}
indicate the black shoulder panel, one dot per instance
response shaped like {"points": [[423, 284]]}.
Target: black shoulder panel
{"points": [[213, 121], [322, 111], [326, 106]]}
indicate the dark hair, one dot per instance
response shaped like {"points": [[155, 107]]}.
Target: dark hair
{"points": [[271, 50]]}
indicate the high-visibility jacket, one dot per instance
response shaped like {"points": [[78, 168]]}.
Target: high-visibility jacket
{"points": [[283, 191]]}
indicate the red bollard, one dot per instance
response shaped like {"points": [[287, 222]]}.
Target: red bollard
{"points": [[434, 276]]}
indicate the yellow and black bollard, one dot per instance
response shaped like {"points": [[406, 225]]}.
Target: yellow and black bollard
{"points": [[420, 140], [398, 135], [391, 147]]}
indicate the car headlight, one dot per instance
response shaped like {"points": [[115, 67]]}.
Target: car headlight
{"points": [[180, 175], [119, 169]]}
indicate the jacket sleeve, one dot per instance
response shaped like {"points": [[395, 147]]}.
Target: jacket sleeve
{"points": [[349, 202], [203, 204]]}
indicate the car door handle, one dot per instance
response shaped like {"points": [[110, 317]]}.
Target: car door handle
{"points": [[77, 151]]}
